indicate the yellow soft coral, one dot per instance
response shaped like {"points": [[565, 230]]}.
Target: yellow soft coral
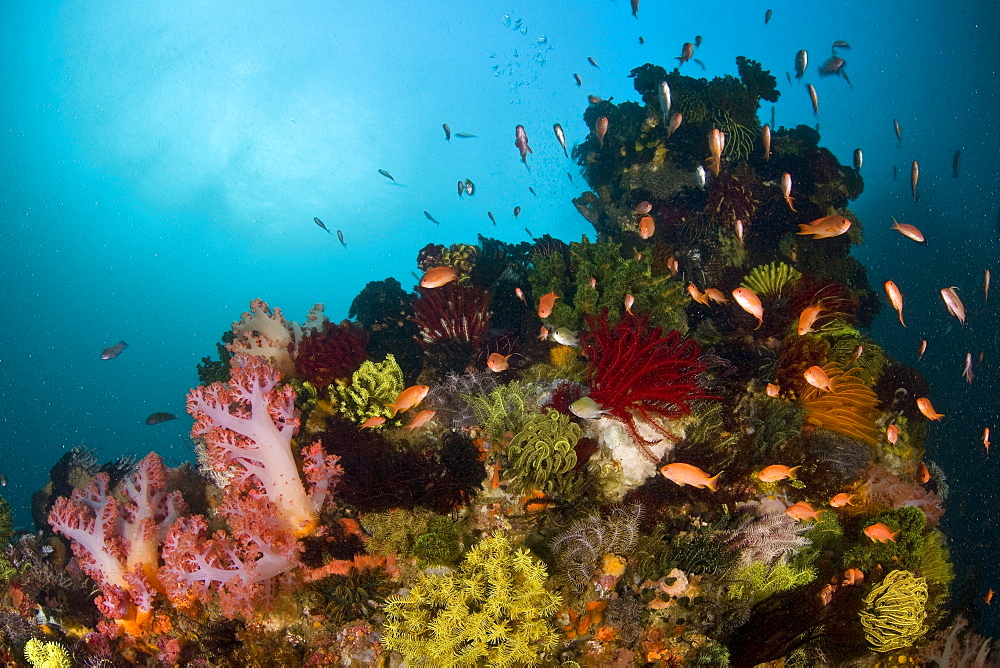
{"points": [[42, 654]]}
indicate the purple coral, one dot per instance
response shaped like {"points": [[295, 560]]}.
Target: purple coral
{"points": [[331, 352], [452, 312]]}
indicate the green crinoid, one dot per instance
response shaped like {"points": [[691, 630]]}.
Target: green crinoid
{"points": [[739, 138], [893, 616], [688, 103], [772, 281], [542, 454]]}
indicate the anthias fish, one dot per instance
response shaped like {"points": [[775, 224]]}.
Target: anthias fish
{"points": [[521, 142], [801, 62], [561, 138], [161, 416], [114, 351], [340, 237], [601, 129], [320, 223], [429, 217]]}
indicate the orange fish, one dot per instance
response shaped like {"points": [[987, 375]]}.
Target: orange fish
{"points": [[407, 399], [601, 129], [750, 303], [716, 295], [740, 231], [676, 119], [438, 276], [986, 286], [776, 472], [643, 207], [922, 475], [954, 304], [816, 377], [914, 177], [422, 418], [497, 362], [908, 231], [646, 227], [814, 98], [802, 511], [989, 597], [593, 283], [687, 52], [520, 295], [716, 142], [808, 318], [772, 390], [986, 439], [697, 294], [855, 354], [673, 265], [824, 228], [373, 422], [688, 474], [927, 410], [923, 349], [629, 301], [765, 136], [543, 333], [880, 533], [841, 500], [852, 576], [786, 191], [967, 372], [546, 303], [896, 299], [892, 434]]}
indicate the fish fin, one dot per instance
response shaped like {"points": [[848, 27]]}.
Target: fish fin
{"points": [[712, 483], [805, 228], [392, 410], [791, 472]]}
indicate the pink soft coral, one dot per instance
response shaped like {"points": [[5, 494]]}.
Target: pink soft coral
{"points": [[117, 542]]}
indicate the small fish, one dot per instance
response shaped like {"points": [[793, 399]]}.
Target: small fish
{"points": [[3, 476], [593, 62], [642, 208], [840, 44], [816, 377], [521, 142], [899, 132], [601, 129], [465, 135], [697, 41], [807, 318], [646, 227], [587, 408], [765, 136], [635, 9], [880, 533], [641, 40], [801, 62], [786, 191], [772, 390], [986, 439], [700, 176], [855, 354], [676, 119], [895, 172], [157, 418], [988, 599], [461, 188], [777, 472], [767, 16], [543, 333], [492, 219], [429, 217], [833, 65], [579, 81], [435, 277], [687, 51], [697, 294], [908, 231], [497, 362], [814, 98], [114, 351], [546, 303], [740, 231], [896, 299], [750, 302], [407, 399], [672, 265], [561, 137], [593, 99], [956, 162], [953, 303], [629, 302], [320, 223], [520, 295], [716, 143], [470, 187], [566, 337], [825, 228], [716, 295], [664, 94], [593, 283], [447, 131], [927, 409], [923, 349], [689, 474], [841, 500], [802, 511], [922, 474], [340, 238], [858, 159], [373, 422], [986, 286], [967, 371], [569, 176], [421, 418], [914, 177], [788, 75], [517, 212], [892, 434], [386, 175]]}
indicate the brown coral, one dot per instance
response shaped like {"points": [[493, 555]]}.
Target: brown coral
{"points": [[849, 409]]}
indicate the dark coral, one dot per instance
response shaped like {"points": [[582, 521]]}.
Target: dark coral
{"points": [[384, 309], [332, 352], [638, 373], [217, 371], [452, 313], [757, 80]]}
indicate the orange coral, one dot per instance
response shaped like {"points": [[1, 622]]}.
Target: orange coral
{"points": [[849, 409]]}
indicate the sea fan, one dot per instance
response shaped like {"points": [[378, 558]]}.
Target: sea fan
{"points": [[849, 409]]}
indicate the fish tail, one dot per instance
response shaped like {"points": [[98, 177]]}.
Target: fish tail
{"points": [[392, 410], [712, 483], [805, 228], [791, 472]]}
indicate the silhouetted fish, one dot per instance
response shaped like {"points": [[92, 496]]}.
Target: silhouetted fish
{"points": [[593, 62], [492, 219], [767, 16], [157, 418], [340, 236], [517, 211], [386, 175], [114, 351], [447, 131], [465, 135], [320, 223], [956, 162], [532, 191], [431, 218]]}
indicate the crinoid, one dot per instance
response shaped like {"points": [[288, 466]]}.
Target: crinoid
{"points": [[849, 409], [739, 138], [772, 281], [452, 312], [639, 374], [731, 197]]}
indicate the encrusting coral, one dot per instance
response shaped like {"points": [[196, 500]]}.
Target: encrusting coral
{"points": [[494, 609]]}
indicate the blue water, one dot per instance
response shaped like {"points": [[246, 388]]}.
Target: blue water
{"points": [[161, 164]]}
